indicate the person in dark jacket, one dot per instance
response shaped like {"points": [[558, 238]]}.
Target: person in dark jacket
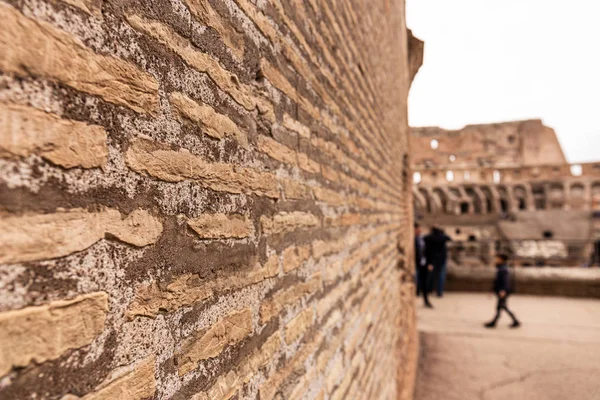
{"points": [[436, 254], [421, 267], [502, 288]]}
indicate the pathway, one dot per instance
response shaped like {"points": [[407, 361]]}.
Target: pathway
{"points": [[554, 356]]}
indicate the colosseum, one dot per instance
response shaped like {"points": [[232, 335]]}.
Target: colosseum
{"points": [[507, 186]]}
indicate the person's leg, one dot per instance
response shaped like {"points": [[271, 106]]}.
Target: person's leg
{"points": [[499, 306], [424, 273], [512, 316], [441, 280], [434, 278], [418, 281]]}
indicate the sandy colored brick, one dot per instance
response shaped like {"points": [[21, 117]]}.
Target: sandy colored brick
{"points": [[221, 226], [321, 247], [184, 291], [92, 7], [205, 13], [25, 130], [329, 196], [288, 222], [42, 333], [228, 385], [211, 342], [273, 306], [161, 162], [294, 125], [297, 326], [216, 125], [137, 383], [67, 60], [45, 236], [296, 190], [294, 257], [203, 62], [307, 164], [277, 150]]}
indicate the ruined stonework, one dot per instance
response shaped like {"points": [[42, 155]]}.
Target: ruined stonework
{"points": [[507, 186], [205, 200]]}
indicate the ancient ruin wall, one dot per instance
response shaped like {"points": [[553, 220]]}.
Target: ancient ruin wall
{"points": [[204, 199], [501, 145]]}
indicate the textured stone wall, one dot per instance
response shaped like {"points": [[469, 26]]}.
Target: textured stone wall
{"points": [[513, 144], [204, 200]]}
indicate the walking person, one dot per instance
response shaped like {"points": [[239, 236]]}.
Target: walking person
{"points": [[502, 288], [436, 254], [421, 267]]}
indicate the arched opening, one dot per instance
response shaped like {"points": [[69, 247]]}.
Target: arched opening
{"points": [[427, 206], [464, 208], [504, 205], [489, 199], [475, 200], [443, 198], [521, 197]]}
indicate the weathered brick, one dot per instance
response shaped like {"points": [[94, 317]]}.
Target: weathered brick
{"points": [[216, 125], [220, 226], [176, 166], [297, 326], [25, 130], [206, 14], [296, 126], [212, 341], [187, 290], [68, 61], [229, 384], [329, 196], [42, 333], [277, 150], [294, 257], [288, 222], [44, 236], [307, 164], [203, 62], [273, 306], [321, 247], [137, 383], [296, 190], [92, 7]]}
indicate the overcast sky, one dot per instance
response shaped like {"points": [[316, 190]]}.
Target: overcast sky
{"points": [[502, 60]]}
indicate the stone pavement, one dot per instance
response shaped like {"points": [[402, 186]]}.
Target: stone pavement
{"points": [[554, 356]]}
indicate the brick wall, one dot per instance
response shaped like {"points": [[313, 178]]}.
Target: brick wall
{"points": [[204, 200]]}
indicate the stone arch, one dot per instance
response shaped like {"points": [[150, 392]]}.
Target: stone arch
{"points": [[476, 200], [492, 199], [443, 198], [522, 202], [506, 199], [427, 202], [420, 203]]}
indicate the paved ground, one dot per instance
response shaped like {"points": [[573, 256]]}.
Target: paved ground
{"points": [[554, 356]]}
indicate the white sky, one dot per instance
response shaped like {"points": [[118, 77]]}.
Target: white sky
{"points": [[502, 60]]}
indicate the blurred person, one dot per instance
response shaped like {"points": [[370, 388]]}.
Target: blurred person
{"points": [[421, 267], [502, 288], [436, 255]]}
